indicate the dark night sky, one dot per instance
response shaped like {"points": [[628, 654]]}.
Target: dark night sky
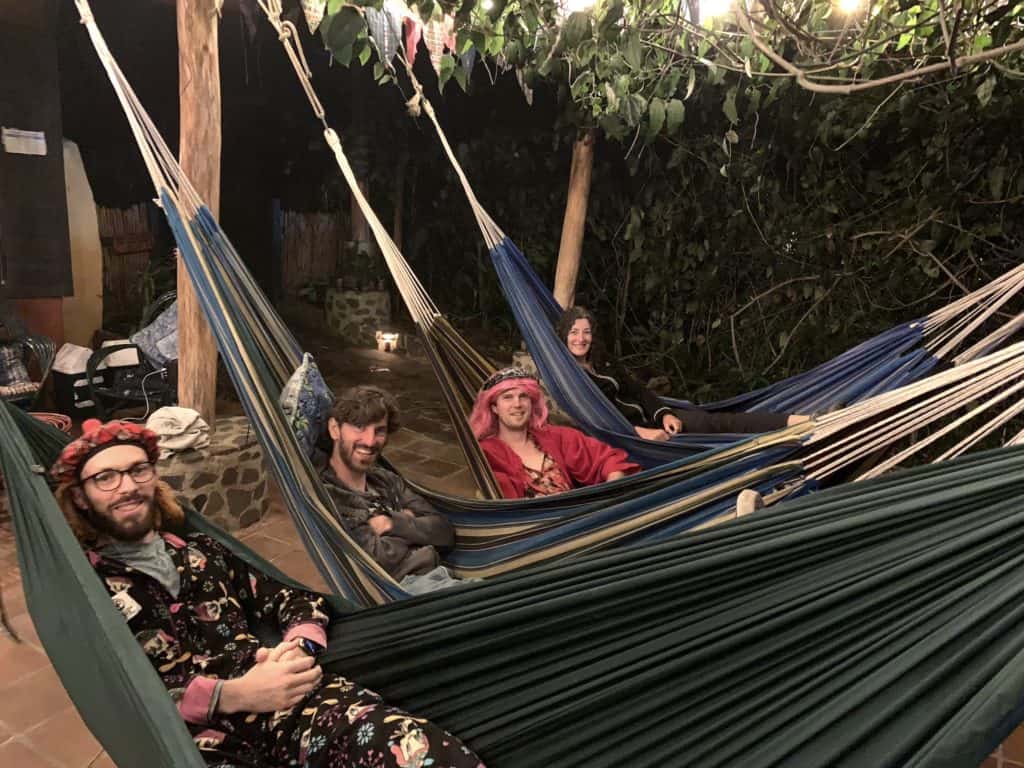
{"points": [[266, 122]]}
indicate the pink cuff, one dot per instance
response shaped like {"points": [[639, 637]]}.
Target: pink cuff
{"points": [[309, 630], [195, 703]]}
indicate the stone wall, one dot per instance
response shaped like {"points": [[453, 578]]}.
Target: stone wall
{"points": [[356, 316], [227, 481]]}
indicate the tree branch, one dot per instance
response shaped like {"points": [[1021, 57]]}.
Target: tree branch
{"points": [[745, 23]]}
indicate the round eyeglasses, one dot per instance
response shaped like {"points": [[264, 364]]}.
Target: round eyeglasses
{"points": [[111, 479]]}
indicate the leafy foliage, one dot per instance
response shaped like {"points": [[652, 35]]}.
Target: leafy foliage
{"points": [[744, 225]]}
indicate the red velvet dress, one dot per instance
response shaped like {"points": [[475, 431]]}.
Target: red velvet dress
{"points": [[583, 460]]}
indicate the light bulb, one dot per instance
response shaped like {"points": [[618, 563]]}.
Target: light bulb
{"points": [[849, 6], [711, 8], [487, 5], [575, 6]]}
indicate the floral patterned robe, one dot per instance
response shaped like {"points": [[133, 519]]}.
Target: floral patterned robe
{"points": [[207, 633]]}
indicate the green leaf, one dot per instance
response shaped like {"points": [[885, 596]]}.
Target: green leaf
{"points": [[575, 29], [613, 98], [364, 53], [633, 53], [984, 91], [447, 70], [904, 40], [632, 108], [462, 78], [611, 16], [729, 106], [613, 126], [340, 31], [691, 81], [656, 117], [674, 114]]}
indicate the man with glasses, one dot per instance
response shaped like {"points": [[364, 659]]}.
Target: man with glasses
{"points": [[193, 606]]}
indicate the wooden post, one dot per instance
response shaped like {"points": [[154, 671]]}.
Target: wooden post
{"points": [[199, 155], [571, 245]]}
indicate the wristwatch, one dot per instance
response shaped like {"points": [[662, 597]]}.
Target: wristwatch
{"points": [[311, 647]]}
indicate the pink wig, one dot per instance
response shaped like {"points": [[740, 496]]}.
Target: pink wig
{"points": [[484, 422]]}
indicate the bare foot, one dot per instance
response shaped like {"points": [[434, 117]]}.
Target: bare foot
{"points": [[797, 418], [748, 501], [647, 433]]}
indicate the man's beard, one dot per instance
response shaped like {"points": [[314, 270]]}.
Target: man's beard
{"points": [[133, 530], [347, 454]]}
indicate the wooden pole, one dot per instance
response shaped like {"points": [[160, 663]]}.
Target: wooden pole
{"points": [[199, 155], [573, 224]]}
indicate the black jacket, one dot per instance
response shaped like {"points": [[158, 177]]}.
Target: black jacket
{"points": [[643, 408], [416, 541]]}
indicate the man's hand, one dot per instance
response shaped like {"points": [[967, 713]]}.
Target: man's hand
{"points": [[618, 475], [281, 678], [381, 524], [286, 651]]}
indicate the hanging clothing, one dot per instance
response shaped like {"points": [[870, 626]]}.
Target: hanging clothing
{"points": [[643, 408], [207, 634], [418, 539], [583, 460]]}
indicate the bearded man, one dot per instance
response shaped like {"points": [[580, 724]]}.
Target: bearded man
{"points": [[403, 533], [194, 608]]}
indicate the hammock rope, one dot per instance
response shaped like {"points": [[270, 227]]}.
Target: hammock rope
{"points": [[942, 333], [494, 537], [965, 315]]}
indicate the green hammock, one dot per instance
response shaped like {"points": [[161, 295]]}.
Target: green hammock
{"points": [[879, 624]]}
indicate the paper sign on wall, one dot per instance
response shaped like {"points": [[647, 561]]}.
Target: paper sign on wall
{"points": [[19, 142]]}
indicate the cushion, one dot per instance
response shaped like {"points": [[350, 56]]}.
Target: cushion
{"points": [[306, 401], [159, 340], [12, 367]]}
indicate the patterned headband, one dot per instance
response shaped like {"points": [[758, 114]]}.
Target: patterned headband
{"points": [[504, 375], [97, 437]]}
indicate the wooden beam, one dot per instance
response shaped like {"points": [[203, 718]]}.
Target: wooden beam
{"points": [[573, 225], [199, 155]]}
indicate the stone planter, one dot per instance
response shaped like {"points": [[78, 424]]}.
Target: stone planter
{"points": [[226, 481], [356, 316]]}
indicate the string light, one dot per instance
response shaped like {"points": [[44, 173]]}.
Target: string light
{"points": [[712, 8], [575, 6], [849, 6], [487, 5]]}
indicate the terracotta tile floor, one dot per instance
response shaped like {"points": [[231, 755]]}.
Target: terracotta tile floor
{"points": [[34, 706]]}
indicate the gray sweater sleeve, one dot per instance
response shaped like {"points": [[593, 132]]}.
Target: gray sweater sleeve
{"points": [[388, 551], [425, 526]]}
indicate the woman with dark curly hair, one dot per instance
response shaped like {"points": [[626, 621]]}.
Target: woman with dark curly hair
{"points": [[650, 416]]}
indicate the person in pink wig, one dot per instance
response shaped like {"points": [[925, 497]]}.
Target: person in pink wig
{"points": [[530, 457]]}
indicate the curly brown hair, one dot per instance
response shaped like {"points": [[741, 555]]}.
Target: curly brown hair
{"points": [[364, 405]]}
